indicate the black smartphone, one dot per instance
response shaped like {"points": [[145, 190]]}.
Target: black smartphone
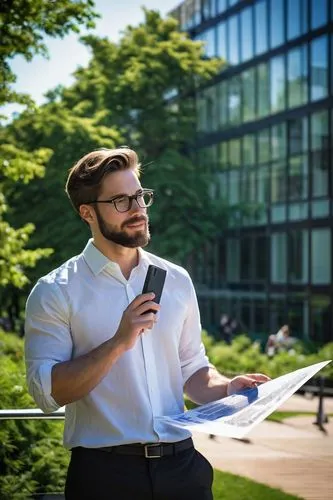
{"points": [[154, 282]]}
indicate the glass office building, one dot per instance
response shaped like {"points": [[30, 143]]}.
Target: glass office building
{"points": [[266, 125]]}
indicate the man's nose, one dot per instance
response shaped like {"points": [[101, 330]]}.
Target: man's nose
{"points": [[136, 207]]}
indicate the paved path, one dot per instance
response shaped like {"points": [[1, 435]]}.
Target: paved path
{"points": [[294, 456]]}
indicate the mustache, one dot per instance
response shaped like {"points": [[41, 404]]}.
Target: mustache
{"points": [[134, 220]]}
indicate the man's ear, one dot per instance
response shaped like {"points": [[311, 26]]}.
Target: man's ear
{"points": [[87, 213]]}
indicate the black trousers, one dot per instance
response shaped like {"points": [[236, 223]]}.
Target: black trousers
{"points": [[97, 475]]}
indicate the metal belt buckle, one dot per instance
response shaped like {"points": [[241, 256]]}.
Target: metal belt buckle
{"points": [[149, 451]]}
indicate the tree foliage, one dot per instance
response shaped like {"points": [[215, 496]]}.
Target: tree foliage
{"points": [[32, 458], [18, 166], [69, 136], [123, 97], [24, 23]]}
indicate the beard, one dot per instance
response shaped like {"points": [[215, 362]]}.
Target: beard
{"points": [[140, 238]]}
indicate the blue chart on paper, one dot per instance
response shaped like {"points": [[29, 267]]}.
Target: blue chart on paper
{"points": [[222, 408]]}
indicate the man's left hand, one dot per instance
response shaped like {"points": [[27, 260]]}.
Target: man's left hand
{"points": [[246, 381]]}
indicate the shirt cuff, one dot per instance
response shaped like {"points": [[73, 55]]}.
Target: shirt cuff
{"points": [[43, 389], [193, 367]]}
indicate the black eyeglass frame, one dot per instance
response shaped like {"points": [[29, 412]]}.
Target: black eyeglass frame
{"points": [[113, 201]]}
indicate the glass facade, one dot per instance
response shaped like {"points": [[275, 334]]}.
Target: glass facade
{"points": [[266, 126]]}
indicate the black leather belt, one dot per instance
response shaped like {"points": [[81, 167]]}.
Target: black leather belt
{"points": [[155, 450]]}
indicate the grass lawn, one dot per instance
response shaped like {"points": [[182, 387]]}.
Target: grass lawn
{"points": [[230, 487], [280, 416]]}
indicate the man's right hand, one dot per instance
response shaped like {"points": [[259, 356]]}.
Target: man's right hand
{"points": [[136, 319]]}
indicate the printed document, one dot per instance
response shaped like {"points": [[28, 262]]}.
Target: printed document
{"points": [[234, 416]]}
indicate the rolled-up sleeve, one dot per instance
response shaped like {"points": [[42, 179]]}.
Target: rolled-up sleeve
{"points": [[48, 340], [192, 351]]}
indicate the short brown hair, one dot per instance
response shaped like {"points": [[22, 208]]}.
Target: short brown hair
{"points": [[85, 177]]}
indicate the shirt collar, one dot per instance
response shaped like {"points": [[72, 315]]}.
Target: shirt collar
{"points": [[97, 261]]}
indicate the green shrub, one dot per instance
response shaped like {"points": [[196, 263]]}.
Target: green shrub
{"points": [[245, 356], [32, 457]]}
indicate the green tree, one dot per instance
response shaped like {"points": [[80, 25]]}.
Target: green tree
{"points": [[23, 26], [69, 136], [144, 87]]}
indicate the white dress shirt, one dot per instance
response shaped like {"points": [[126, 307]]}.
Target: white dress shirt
{"points": [[77, 307]]}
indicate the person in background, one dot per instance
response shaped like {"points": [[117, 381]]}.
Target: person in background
{"points": [[93, 345], [282, 336], [278, 342]]}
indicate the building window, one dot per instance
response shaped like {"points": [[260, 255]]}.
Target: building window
{"points": [[222, 103], [320, 175], [207, 9], [263, 96], [331, 57], [233, 260], [260, 32], [321, 256], [245, 316], [263, 185], [277, 314], [279, 183], [319, 131], [249, 102], [319, 68], [234, 185], [297, 18], [298, 256], [207, 110], [222, 180], [279, 141], [249, 150], [247, 33], [222, 42], [278, 84], [235, 153], [276, 23], [279, 258], [221, 263], [320, 154], [298, 177], [248, 188], [209, 39], [298, 136], [260, 316], [264, 154], [191, 14], [297, 77], [321, 314], [297, 314], [235, 100], [319, 13], [223, 160], [233, 37], [221, 6], [261, 250], [246, 252]]}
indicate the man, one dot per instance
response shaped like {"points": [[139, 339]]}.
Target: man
{"points": [[92, 345]]}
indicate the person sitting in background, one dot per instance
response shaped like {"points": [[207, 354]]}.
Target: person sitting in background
{"points": [[278, 342], [282, 336]]}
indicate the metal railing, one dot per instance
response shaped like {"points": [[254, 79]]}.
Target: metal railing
{"points": [[35, 414], [31, 414]]}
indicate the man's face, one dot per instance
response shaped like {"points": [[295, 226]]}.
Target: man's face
{"points": [[128, 229]]}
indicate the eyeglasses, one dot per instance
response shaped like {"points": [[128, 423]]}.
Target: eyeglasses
{"points": [[123, 203]]}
